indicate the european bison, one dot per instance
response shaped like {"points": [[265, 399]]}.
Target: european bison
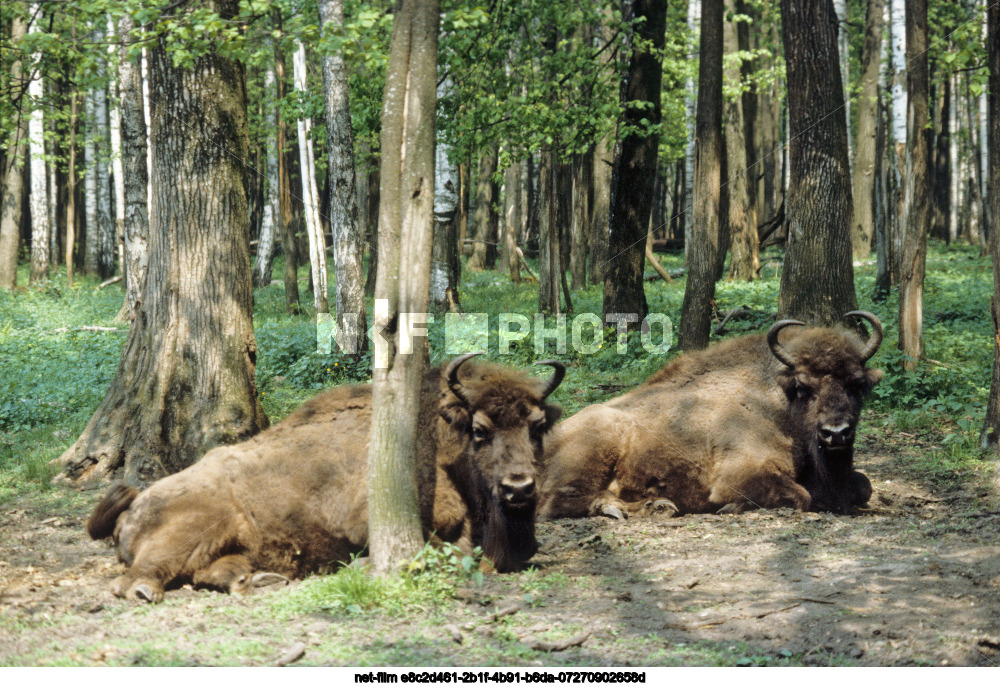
{"points": [[293, 499], [751, 422]]}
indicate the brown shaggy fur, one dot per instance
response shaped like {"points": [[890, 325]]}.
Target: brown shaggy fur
{"points": [[293, 500], [727, 425]]}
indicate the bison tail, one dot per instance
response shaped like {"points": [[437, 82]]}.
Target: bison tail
{"points": [[102, 521]]}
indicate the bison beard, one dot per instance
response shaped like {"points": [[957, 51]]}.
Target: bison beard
{"points": [[750, 422], [288, 500]]}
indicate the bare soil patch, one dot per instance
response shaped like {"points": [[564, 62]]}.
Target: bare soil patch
{"points": [[913, 580]]}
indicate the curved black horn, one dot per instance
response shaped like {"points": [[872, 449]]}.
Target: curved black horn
{"points": [[776, 348], [451, 374], [557, 376], [875, 340]]}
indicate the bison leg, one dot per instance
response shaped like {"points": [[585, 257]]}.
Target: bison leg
{"points": [[738, 490], [228, 574], [861, 489], [610, 505], [138, 587]]}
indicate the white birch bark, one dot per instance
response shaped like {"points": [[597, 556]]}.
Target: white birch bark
{"points": [[91, 241], [269, 221], [445, 204], [39, 200], [115, 131], [843, 47], [693, 24], [348, 241], [953, 154], [897, 26], [310, 195], [146, 110]]}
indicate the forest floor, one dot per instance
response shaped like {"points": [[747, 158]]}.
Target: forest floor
{"points": [[912, 580]]}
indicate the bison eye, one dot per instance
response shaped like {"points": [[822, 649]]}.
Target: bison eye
{"points": [[479, 435], [803, 391]]}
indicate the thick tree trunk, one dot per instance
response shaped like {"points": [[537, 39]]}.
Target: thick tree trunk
{"points": [[817, 282], [703, 244], [348, 241], [864, 147], [134, 171], [185, 382], [580, 220], [743, 242], [600, 212], [991, 427], [549, 266], [635, 167], [13, 186], [405, 243], [485, 220], [916, 199]]}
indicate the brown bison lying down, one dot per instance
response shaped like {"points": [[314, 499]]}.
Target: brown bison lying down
{"points": [[293, 499], [750, 422]]}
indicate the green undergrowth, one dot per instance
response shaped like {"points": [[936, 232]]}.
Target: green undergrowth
{"points": [[59, 347]]}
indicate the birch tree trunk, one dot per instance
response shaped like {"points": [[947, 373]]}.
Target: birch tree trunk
{"points": [[405, 240], [135, 171], [693, 24], [13, 186], [840, 7], [310, 195], [445, 263], [512, 220], [703, 242], [817, 282], [864, 150], [916, 199], [92, 236], [348, 241], [269, 221], [117, 170], [185, 382], [40, 227]]}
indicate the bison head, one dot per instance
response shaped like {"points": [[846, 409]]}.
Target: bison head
{"points": [[825, 381], [502, 417]]}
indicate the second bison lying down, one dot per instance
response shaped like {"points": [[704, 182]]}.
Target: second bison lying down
{"points": [[751, 422], [293, 499]]}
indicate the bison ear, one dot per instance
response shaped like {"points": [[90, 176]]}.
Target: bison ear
{"points": [[873, 377], [456, 416], [552, 414], [786, 380]]}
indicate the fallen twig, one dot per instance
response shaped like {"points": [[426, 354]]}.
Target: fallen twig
{"points": [[651, 258], [292, 655], [524, 262], [63, 330], [561, 646], [109, 282], [778, 610]]}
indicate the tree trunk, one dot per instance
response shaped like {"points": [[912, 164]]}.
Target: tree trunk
{"points": [[10, 200], [600, 212], [548, 236], [916, 199], [71, 189], [286, 227], [185, 382], [817, 282], [40, 228], [941, 174], [445, 263], [635, 167], [269, 224], [744, 260], [580, 220], [117, 169], [694, 12], [134, 170], [991, 427], [512, 220], [771, 146], [348, 241], [840, 8], [403, 282], [484, 247], [310, 194], [703, 245], [864, 146]]}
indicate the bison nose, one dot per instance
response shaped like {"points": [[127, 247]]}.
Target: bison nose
{"points": [[517, 488], [836, 435]]}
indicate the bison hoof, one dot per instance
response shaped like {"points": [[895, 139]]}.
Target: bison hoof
{"points": [[732, 509], [145, 592], [664, 506], [265, 579], [612, 511]]}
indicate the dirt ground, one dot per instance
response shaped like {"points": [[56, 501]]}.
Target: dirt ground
{"points": [[913, 580]]}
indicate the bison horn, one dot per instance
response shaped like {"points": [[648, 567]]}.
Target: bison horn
{"points": [[451, 374], [875, 340], [557, 376], [776, 348]]}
